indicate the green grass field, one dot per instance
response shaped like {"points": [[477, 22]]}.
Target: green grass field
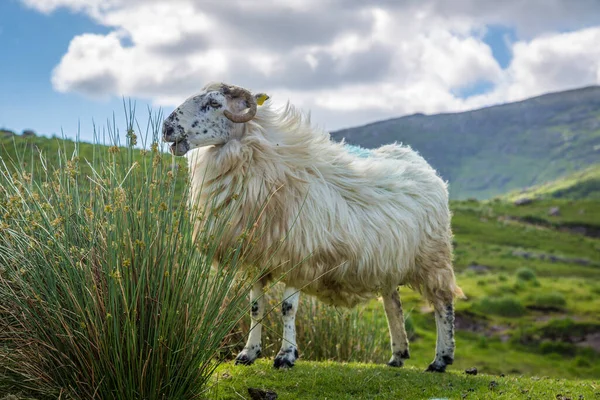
{"points": [[329, 380], [533, 300]]}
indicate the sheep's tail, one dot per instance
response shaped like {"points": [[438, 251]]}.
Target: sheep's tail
{"points": [[458, 293]]}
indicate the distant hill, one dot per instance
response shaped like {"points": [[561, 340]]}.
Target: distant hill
{"points": [[494, 150]]}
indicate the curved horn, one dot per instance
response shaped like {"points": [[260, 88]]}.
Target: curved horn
{"points": [[237, 92]]}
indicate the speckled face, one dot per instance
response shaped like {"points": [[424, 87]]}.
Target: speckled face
{"points": [[198, 122]]}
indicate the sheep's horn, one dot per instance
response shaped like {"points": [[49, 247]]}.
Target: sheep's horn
{"points": [[239, 92]]}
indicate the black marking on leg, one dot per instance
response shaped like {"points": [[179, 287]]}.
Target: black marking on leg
{"points": [[286, 307], [404, 354], [448, 360], [255, 308], [449, 317]]}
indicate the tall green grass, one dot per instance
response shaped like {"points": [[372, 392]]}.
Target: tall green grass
{"points": [[103, 292]]}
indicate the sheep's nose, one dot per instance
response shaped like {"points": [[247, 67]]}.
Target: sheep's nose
{"points": [[168, 133]]}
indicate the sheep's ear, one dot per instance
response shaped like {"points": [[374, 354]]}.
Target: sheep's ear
{"points": [[261, 98]]}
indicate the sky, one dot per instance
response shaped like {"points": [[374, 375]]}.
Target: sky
{"points": [[67, 64]]}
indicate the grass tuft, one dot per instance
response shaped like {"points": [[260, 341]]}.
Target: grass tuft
{"points": [[103, 292]]}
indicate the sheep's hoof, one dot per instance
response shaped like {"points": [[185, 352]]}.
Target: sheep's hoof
{"points": [[433, 367], [244, 359], [395, 362], [398, 358], [286, 359], [281, 362]]}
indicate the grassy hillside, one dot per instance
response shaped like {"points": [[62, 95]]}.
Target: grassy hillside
{"points": [[487, 152], [24, 151], [584, 184]]}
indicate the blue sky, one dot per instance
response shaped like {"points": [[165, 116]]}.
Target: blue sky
{"points": [[386, 65], [33, 44]]}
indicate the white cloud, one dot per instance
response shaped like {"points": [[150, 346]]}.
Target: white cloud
{"points": [[548, 63], [349, 61]]}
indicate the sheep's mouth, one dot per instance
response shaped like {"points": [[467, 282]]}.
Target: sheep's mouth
{"points": [[180, 148]]}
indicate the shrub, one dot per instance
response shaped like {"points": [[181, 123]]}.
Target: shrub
{"points": [[104, 294], [564, 349], [549, 301], [526, 274], [482, 342], [582, 362], [566, 329], [506, 306]]}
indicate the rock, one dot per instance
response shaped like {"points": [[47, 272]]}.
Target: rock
{"points": [[522, 201], [480, 269], [259, 394], [520, 253], [471, 371], [580, 261], [554, 211]]}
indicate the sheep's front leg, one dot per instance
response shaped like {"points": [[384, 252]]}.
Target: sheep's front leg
{"points": [[252, 349], [398, 337], [444, 349], [289, 350]]}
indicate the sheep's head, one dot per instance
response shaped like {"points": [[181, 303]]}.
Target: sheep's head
{"points": [[209, 117]]}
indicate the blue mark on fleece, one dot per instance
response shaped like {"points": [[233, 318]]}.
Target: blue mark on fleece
{"points": [[358, 151]]}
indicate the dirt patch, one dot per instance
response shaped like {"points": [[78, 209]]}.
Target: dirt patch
{"points": [[469, 322], [465, 321], [546, 318], [591, 340]]}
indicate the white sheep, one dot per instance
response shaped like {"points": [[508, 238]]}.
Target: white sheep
{"points": [[358, 227]]}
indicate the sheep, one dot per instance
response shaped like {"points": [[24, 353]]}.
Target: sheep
{"points": [[358, 225]]}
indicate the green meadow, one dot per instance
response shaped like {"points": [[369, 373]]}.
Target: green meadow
{"points": [[103, 294]]}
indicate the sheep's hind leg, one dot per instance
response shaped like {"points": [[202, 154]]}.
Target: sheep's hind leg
{"points": [[288, 354], [398, 337], [252, 349], [444, 350]]}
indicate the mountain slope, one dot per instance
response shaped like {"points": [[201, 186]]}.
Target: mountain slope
{"points": [[486, 152], [584, 184]]}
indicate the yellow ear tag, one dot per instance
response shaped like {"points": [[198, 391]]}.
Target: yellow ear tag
{"points": [[261, 99]]}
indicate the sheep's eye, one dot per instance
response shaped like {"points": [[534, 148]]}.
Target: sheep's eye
{"points": [[214, 103]]}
